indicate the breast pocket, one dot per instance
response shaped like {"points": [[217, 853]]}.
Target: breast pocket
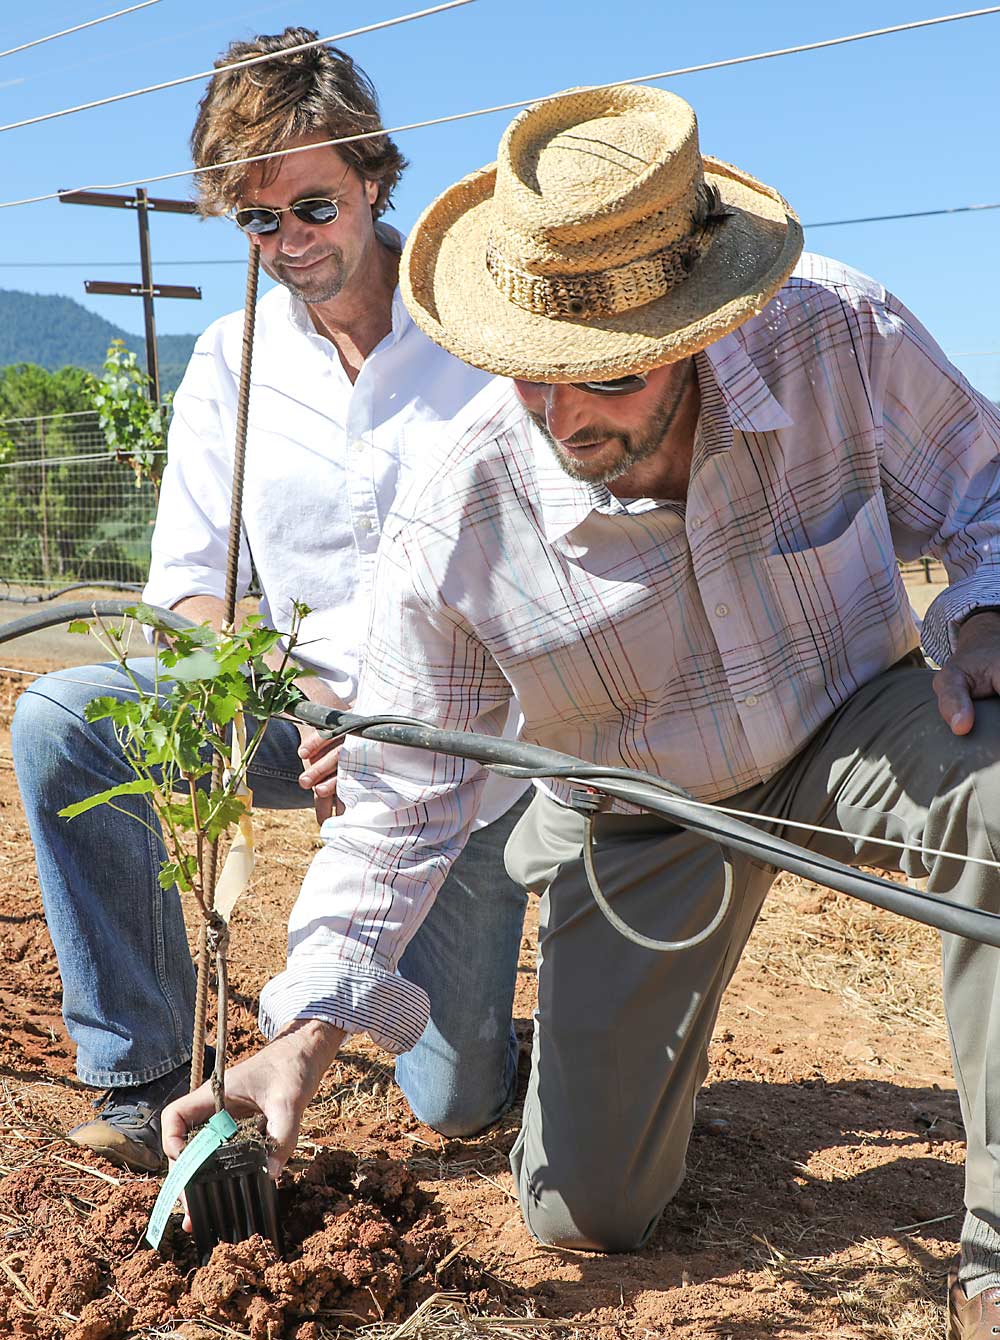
{"points": [[840, 607]]}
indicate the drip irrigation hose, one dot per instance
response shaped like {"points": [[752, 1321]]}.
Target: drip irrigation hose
{"points": [[516, 759], [82, 609], [65, 590]]}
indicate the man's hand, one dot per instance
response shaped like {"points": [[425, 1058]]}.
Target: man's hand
{"points": [[278, 1081], [973, 671], [320, 757]]}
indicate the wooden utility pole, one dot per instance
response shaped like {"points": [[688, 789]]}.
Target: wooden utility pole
{"points": [[146, 289]]}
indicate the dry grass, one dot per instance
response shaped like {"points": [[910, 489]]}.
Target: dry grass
{"points": [[881, 965], [361, 1097], [446, 1316], [889, 1288]]}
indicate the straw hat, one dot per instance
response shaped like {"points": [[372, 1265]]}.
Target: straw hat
{"points": [[600, 243]]}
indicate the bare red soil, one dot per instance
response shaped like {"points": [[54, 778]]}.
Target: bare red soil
{"points": [[823, 1197]]}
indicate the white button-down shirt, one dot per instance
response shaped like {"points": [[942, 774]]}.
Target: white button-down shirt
{"points": [[325, 459], [703, 641]]}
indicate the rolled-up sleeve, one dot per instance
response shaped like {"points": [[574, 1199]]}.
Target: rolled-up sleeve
{"points": [[408, 813], [941, 477]]}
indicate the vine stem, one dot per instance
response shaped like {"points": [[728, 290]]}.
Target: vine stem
{"points": [[210, 872]]}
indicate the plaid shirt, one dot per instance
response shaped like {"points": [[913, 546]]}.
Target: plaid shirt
{"points": [[703, 641]]}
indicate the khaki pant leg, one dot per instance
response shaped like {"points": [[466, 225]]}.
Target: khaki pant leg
{"points": [[887, 766], [621, 1032]]}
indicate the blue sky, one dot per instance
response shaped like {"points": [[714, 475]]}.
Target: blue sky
{"points": [[894, 124]]}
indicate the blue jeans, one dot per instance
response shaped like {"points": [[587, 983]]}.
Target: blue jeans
{"points": [[128, 980]]}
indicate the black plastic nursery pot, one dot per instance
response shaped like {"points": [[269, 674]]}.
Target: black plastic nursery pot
{"points": [[231, 1197]]}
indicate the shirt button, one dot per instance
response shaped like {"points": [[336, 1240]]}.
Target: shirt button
{"points": [[750, 700], [722, 611], [696, 523], [364, 523], [359, 444]]}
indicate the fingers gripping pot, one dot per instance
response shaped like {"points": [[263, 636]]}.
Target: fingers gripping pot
{"points": [[222, 1172], [231, 1196]]}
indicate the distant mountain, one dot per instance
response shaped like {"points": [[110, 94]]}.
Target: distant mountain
{"points": [[54, 331]]}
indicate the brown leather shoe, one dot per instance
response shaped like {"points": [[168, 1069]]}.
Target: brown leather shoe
{"points": [[972, 1318], [126, 1129]]}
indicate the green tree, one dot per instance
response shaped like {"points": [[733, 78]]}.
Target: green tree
{"points": [[133, 427], [27, 391]]}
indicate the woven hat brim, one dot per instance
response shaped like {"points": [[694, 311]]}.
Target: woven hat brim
{"points": [[453, 299]]}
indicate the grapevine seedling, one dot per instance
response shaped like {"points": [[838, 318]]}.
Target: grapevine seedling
{"points": [[172, 736]]}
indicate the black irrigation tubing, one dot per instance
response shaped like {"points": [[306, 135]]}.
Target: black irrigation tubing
{"points": [[64, 591], [83, 609], [517, 759]]}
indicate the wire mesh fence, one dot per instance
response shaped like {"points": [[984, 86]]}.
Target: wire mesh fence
{"points": [[69, 511]]}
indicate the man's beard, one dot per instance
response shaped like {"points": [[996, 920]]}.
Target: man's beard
{"points": [[633, 447], [319, 286]]}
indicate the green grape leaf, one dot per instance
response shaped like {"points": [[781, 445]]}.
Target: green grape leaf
{"points": [[142, 786], [225, 811], [182, 873], [200, 664]]}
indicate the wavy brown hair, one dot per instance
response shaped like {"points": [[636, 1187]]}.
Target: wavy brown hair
{"points": [[260, 108]]}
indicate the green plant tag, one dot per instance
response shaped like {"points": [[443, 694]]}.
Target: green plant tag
{"points": [[218, 1130]]}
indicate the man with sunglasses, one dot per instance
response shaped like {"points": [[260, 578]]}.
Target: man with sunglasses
{"points": [[341, 376], [673, 536]]}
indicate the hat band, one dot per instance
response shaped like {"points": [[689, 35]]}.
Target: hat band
{"points": [[605, 292]]}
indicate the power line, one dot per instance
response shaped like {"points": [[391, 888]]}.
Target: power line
{"points": [[224, 69], [238, 260], [108, 265], [916, 214], [117, 55], [37, 42], [512, 106]]}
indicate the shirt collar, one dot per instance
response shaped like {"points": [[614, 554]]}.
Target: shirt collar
{"points": [[749, 401]]}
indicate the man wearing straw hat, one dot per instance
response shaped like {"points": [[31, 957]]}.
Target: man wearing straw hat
{"points": [[340, 376], [673, 536]]}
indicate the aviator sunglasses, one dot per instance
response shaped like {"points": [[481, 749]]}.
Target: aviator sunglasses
{"points": [[628, 385], [260, 220]]}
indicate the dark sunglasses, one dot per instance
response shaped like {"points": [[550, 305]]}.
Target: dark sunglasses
{"points": [[260, 220], [635, 381]]}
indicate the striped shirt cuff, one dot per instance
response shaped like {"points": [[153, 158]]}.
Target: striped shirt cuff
{"points": [[951, 607], [359, 998]]}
